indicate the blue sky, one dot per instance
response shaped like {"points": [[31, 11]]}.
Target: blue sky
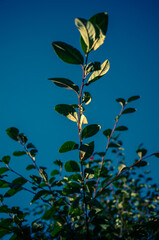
{"points": [[27, 60]]}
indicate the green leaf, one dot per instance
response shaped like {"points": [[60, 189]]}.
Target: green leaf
{"points": [[83, 120], [58, 163], [87, 31], [36, 179], [87, 150], [19, 181], [67, 111], [91, 67], [129, 110], [141, 164], [122, 101], [121, 167], [55, 172], [43, 174], [30, 167], [99, 73], [67, 53], [23, 138], [13, 133], [133, 98], [65, 83], [100, 22], [141, 152], [121, 128], [30, 145], [6, 159], [156, 155], [114, 145], [107, 133], [39, 195], [68, 146], [19, 153], [87, 98], [90, 130], [72, 166], [3, 170]]}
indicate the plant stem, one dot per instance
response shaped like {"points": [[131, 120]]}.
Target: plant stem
{"points": [[109, 138]]}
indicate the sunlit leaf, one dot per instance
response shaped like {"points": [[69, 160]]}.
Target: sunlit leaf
{"points": [[72, 166], [87, 31], [67, 53], [91, 67], [99, 73], [65, 83], [68, 146], [43, 174], [90, 130], [87, 98], [83, 120], [67, 111], [121, 167]]}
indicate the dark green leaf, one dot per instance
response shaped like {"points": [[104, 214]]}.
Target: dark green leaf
{"points": [[133, 98], [114, 145], [87, 150], [129, 110], [3, 170], [141, 152], [68, 146], [91, 67], [72, 166], [19, 153], [67, 111], [58, 163], [99, 73], [39, 195], [141, 164], [121, 101], [6, 159], [90, 130], [19, 181], [121, 128], [156, 155], [30, 167], [65, 83], [54, 172], [13, 133], [67, 53], [87, 98], [23, 138], [36, 179], [33, 152], [101, 20], [107, 133], [11, 192], [30, 145], [3, 184]]}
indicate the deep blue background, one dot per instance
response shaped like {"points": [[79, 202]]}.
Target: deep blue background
{"points": [[27, 60]]}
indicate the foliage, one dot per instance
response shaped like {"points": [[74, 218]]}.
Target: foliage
{"points": [[90, 197]]}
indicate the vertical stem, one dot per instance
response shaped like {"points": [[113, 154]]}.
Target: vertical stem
{"points": [[80, 140]]}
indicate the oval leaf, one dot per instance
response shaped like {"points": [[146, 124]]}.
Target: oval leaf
{"points": [[19, 153], [68, 146], [72, 166], [133, 98], [65, 83], [99, 73], [6, 159], [90, 130], [87, 31], [121, 128], [13, 133], [107, 133], [129, 110], [67, 111], [67, 53]]}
